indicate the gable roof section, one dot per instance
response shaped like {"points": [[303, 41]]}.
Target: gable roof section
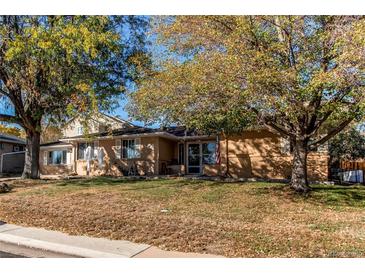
{"points": [[11, 139], [176, 133], [117, 119], [106, 117]]}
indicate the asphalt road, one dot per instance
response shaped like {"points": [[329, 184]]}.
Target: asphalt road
{"points": [[9, 255], [15, 251]]}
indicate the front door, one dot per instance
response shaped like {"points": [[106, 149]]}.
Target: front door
{"points": [[194, 159]]}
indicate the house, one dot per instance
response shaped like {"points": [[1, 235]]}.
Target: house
{"points": [[121, 148], [11, 153]]}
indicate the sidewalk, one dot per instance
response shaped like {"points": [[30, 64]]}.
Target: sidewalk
{"points": [[82, 246]]}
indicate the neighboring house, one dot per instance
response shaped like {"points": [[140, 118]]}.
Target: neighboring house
{"points": [[11, 153], [133, 150], [100, 122]]}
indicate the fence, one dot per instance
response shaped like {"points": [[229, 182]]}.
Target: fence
{"points": [[12, 162], [352, 165], [353, 171]]}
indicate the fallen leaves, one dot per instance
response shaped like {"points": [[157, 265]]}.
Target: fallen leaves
{"points": [[249, 220]]}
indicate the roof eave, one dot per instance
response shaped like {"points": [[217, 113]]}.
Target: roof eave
{"points": [[153, 134]]}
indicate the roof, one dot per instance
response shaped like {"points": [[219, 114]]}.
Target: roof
{"points": [[117, 119], [11, 139], [182, 131], [174, 132], [53, 143], [94, 117], [57, 144]]}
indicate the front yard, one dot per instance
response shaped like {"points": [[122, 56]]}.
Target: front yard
{"points": [[230, 219]]}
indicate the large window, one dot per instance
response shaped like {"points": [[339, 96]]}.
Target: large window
{"points": [[208, 153], [129, 149], [81, 152], [57, 157]]}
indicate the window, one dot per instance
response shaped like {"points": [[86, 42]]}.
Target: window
{"points": [[208, 153], [57, 157], [16, 148], [1, 146], [129, 149], [81, 152], [80, 130], [181, 159]]}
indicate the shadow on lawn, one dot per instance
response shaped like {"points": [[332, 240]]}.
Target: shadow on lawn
{"points": [[330, 195], [137, 183], [340, 195]]}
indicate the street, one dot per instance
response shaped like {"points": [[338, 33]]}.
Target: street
{"points": [[9, 255], [15, 251]]}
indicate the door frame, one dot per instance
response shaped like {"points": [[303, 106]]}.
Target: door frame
{"points": [[200, 158]]}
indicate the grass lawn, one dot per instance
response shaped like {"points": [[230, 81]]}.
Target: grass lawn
{"points": [[230, 219]]}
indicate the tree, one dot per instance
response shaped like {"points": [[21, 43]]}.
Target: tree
{"points": [[347, 145], [301, 76], [11, 130], [50, 133], [52, 67]]}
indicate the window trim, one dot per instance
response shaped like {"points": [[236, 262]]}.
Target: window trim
{"points": [[118, 148], [134, 156], [92, 144], [63, 157]]}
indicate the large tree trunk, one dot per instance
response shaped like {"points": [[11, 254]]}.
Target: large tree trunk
{"points": [[31, 166], [299, 181]]}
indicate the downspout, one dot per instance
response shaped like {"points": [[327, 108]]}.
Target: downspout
{"points": [[1, 163], [74, 146], [185, 154], [227, 173], [157, 166]]}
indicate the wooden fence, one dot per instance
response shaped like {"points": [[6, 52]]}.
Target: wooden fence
{"points": [[352, 165]]}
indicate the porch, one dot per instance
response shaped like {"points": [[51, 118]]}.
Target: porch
{"points": [[192, 157]]}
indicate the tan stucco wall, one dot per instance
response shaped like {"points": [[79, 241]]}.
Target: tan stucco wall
{"points": [[147, 164], [251, 154], [258, 154], [56, 169], [166, 154]]}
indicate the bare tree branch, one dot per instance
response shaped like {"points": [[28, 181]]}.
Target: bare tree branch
{"points": [[332, 132]]}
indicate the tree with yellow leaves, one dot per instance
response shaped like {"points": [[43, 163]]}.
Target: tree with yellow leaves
{"points": [[53, 67], [301, 76]]}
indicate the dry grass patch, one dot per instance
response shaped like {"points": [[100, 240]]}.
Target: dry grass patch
{"points": [[230, 219]]}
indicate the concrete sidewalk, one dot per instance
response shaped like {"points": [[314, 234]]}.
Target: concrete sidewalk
{"points": [[82, 246]]}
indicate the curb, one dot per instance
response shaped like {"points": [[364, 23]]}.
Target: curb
{"points": [[57, 248]]}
